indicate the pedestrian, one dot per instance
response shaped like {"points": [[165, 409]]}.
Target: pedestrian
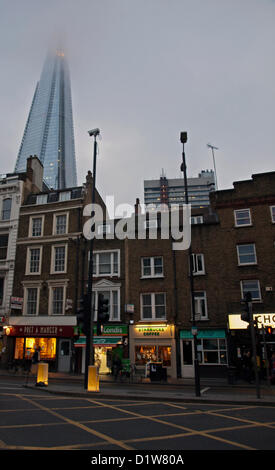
{"points": [[117, 366]]}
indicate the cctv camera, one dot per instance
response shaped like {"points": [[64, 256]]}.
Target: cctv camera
{"points": [[183, 137], [94, 132]]}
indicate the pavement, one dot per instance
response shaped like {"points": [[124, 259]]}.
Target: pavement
{"points": [[212, 390]]}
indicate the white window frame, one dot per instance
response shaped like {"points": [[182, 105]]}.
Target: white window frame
{"points": [[52, 286], [25, 302], [153, 306], [238, 254], [243, 291], [41, 199], [151, 223], [6, 211], [104, 229], [198, 306], [196, 219], [96, 263], [53, 255], [42, 217], [64, 196], [110, 290], [236, 218], [152, 267], [272, 213], [195, 262], [55, 222], [28, 270]]}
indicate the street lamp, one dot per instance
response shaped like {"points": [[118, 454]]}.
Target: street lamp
{"points": [[89, 359], [183, 139], [216, 178]]}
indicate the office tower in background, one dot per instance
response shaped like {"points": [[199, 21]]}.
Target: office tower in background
{"points": [[49, 132]]}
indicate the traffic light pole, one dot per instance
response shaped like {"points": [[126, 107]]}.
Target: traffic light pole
{"points": [[89, 359], [183, 138]]}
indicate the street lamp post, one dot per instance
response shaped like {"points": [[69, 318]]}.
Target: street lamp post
{"points": [[89, 359], [183, 139]]}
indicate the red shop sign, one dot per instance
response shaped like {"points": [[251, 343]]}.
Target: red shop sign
{"points": [[41, 330]]}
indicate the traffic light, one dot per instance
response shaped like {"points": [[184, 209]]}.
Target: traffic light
{"points": [[246, 315], [102, 312], [82, 315], [268, 332]]}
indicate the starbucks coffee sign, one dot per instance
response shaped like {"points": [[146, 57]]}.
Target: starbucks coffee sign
{"points": [[154, 331]]}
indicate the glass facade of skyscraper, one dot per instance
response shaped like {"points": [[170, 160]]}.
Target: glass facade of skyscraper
{"points": [[49, 130]]}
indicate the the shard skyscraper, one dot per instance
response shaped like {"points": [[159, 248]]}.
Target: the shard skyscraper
{"points": [[49, 130]]}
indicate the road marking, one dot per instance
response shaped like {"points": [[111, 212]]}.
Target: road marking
{"points": [[184, 428], [79, 425]]}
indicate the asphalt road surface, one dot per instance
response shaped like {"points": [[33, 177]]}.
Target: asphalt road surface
{"points": [[36, 420]]}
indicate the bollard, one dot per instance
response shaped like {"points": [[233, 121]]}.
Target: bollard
{"points": [[93, 379], [42, 374]]}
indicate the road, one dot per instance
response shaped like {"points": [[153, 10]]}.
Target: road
{"points": [[35, 420]]}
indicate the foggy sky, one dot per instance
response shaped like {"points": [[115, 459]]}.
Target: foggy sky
{"points": [[143, 71]]}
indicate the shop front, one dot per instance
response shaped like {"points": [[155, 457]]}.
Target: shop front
{"points": [[153, 343], [113, 337], [241, 342], [212, 352], [54, 343]]}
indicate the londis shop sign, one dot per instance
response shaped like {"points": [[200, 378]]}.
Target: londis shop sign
{"points": [[263, 319], [154, 331]]}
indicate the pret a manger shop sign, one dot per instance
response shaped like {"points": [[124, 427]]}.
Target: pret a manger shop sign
{"points": [[263, 319]]}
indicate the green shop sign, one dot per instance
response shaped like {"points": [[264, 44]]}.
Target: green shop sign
{"points": [[121, 330], [186, 334]]}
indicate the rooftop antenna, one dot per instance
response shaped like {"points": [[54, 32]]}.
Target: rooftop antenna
{"points": [[214, 148]]}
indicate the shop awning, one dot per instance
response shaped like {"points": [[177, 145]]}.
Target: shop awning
{"points": [[99, 341], [186, 334]]}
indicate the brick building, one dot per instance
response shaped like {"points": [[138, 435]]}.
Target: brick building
{"points": [[147, 283], [48, 266]]}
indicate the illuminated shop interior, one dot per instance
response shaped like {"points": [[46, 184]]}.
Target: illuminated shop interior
{"points": [[25, 347]]}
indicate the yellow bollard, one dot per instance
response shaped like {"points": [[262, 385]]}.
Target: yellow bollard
{"points": [[93, 379], [42, 374]]}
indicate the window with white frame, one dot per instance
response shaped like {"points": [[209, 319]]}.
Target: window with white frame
{"points": [[42, 199], [57, 297], [252, 286], [197, 263], [59, 259], [34, 256], [60, 224], [4, 240], [212, 351], [196, 219], [106, 263], [103, 229], [31, 304], [112, 294], [152, 266], [200, 302], [36, 226], [2, 284], [242, 217], [272, 212], [153, 306], [6, 209], [65, 196], [246, 254], [151, 223]]}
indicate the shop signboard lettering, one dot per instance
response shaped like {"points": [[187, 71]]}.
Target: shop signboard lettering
{"points": [[41, 330], [161, 331]]}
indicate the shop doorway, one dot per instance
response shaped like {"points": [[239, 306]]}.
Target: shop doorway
{"points": [[64, 355], [187, 354]]}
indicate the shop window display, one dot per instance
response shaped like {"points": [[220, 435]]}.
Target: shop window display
{"points": [[147, 353]]}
